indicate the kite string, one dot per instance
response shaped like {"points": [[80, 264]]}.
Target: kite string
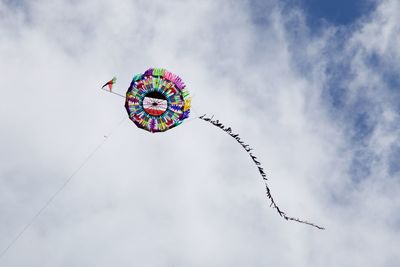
{"points": [[59, 190], [260, 169], [112, 92]]}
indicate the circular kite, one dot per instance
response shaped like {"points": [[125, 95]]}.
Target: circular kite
{"points": [[158, 100]]}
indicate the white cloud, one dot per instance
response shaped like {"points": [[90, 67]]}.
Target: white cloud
{"points": [[190, 196]]}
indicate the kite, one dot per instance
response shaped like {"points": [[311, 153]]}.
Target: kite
{"points": [[158, 100], [110, 84]]}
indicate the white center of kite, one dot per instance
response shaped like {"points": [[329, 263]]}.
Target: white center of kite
{"points": [[155, 103]]}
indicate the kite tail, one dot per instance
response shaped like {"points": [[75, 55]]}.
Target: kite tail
{"points": [[246, 147]]}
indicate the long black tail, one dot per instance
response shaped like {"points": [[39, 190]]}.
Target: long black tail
{"points": [[248, 149]]}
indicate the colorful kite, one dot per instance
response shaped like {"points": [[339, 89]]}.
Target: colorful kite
{"points": [[110, 83], [158, 100]]}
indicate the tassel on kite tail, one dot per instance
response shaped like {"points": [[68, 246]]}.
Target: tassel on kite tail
{"points": [[246, 147]]}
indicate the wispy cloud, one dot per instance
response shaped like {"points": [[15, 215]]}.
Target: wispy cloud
{"points": [[320, 108]]}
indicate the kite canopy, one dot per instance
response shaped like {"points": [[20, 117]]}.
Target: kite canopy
{"points": [[157, 100], [110, 83]]}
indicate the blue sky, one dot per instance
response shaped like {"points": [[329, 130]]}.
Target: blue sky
{"points": [[337, 12], [312, 86], [346, 17]]}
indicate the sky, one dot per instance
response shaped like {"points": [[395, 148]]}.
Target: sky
{"points": [[339, 12], [312, 86]]}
